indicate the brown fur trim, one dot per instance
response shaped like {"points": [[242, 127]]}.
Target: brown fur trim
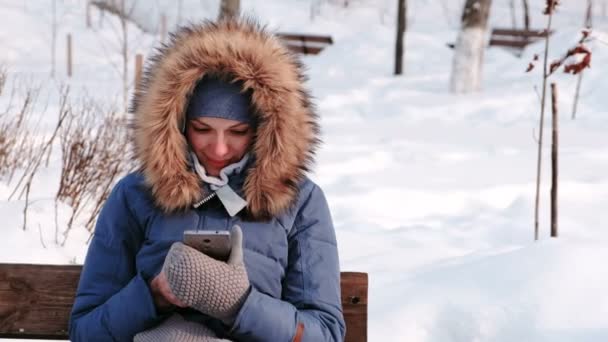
{"points": [[287, 134]]}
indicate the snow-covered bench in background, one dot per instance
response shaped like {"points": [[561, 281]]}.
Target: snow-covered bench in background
{"points": [[305, 43], [35, 301], [516, 39]]}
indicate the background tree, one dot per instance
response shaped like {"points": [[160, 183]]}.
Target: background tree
{"points": [[512, 10], [126, 43], [526, 15], [229, 8], [401, 27], [468, 51]]}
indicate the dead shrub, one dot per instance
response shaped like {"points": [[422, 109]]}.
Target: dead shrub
{"points": [[3, 76], [93, 157], [15, 147]]}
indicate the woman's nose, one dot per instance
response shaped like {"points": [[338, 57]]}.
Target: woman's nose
{"points": [[221, 147]]}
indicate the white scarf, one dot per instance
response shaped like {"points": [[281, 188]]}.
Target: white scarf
{"points": [[229, 198]]}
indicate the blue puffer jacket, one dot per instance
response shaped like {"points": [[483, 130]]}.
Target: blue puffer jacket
{"points": [[289, 242], [291, 262]]}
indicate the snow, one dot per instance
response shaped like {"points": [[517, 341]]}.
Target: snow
{"points": [[432, 193]]}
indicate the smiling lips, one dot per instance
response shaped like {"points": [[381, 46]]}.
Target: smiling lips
{"points": [[218, 164]]}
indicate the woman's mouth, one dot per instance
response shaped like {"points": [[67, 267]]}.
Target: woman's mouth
{"points": [[218, 164]]}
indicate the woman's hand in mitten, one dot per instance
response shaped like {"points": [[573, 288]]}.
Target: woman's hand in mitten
{"points": [[164, 299], [212, 287]]}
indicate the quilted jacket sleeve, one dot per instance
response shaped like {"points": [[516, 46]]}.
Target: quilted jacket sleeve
{"points": [[311, 288], [113, 302]]}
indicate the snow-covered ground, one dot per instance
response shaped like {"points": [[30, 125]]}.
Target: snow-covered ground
{"points": [[432, 194]]}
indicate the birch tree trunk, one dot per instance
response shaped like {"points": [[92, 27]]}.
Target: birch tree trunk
{"points": [[229, 8], [468, 52]]}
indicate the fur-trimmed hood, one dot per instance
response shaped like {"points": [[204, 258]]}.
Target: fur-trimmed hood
{"points": [[287, 133]]}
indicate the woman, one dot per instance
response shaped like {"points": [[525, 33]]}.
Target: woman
{"points": [[224, 133]]}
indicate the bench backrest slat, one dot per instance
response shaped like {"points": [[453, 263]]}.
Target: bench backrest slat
{"points": [[307, 50], [519, 33], [519, 44], [305, 38], [36, 300]]}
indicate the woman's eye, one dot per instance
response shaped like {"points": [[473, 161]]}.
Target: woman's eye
{"points": [[201, 129], [240, 132]]}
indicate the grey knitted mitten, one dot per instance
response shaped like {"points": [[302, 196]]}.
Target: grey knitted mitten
{"points": [[212, 287], [176, 329]]}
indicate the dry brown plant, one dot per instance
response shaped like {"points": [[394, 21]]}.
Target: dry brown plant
{"points": [[34, 159], [93, 157], [16, 147], [3, 76]]}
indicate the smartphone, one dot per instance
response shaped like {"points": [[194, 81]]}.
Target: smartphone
{"points": [[214, 243]]}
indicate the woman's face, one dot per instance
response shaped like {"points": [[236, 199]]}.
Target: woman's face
{"points": [[218, 142]]}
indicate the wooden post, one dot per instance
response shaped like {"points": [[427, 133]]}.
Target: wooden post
{"points": [[69, 51], [554, 164], [88, 14], [401, 27], [139, 61], [163, 28]]}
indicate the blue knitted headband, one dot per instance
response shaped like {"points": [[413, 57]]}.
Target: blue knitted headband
{"points": [[214, 97]]}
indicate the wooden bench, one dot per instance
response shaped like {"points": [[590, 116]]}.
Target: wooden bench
{"points": [[36, 300], [516, 39], [305, 43]]}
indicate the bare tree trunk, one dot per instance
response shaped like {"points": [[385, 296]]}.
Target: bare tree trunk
{"points": [[513, 18], [88, 14], [589, 14], [526, 15], [125, 55], [401, 27], [229, 9], [54, 38], [69, 54], [468, 52], [541, 128], [554, 163]]}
